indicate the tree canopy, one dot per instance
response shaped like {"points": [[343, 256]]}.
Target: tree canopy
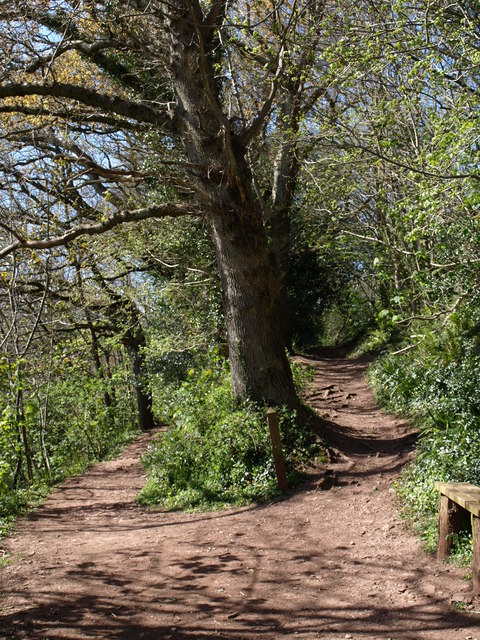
{"points": [[230, 176]]}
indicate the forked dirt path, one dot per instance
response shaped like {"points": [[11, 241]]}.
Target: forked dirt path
{"points": [[320, 564]]}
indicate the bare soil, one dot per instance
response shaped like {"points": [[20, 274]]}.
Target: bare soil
{"points": [[331, 560]]}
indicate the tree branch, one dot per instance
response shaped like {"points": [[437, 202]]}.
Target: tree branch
{"points": [[88, 97], [377, 241], [86, 49], [216, 9], [79, 117], [257, 123], [174, 210]]}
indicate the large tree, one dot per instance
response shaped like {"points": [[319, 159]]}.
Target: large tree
{"points": [[194, 98]]}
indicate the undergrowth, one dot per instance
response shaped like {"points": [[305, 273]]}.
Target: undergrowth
{"points": [[436, 384], [80, 431], [15, 502], [217, 451]]}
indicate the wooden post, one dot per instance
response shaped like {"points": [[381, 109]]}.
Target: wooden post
{"points": [[278, 457], [476, 555], [449, 521]]}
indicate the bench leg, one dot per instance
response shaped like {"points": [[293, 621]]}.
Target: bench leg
{"points": [[476, 555], [449, 521]]}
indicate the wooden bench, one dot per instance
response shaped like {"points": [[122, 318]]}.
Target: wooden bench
{"points": [[459, 500]]}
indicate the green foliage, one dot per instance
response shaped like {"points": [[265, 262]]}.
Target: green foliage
{"points": [[217, 451], [303, 377], [461, 553], [326, 304], [185, 316], [93, 430], [436, 383], [65, 422], [315, 282], [373, 341], [19, 501]]}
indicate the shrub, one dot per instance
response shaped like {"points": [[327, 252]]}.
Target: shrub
{"points": [[436, 385], [80, 430], [217, 451]]}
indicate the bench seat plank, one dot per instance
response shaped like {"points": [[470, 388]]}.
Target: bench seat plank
{"points": [[463, 493]]}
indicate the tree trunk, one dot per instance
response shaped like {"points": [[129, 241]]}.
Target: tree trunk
{"points": [[134, 345], [220, 175], [285, 174], [258, 362], [99, 370], [280, 247], [20, 419]]}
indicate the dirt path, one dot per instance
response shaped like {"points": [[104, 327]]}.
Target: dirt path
{"points": [[321, 564]]}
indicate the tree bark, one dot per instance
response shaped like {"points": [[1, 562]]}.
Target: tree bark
{"points": [[285, 174], [134, 344], [97, 360], [20, 420], [476, 555], [259, 366], [254, 306]]}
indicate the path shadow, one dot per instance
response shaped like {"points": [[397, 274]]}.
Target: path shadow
{"points": [[337, 353], [348, 442], [333, 363], [184, 606]]}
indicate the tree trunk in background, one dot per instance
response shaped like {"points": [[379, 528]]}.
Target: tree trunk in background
{"points": [[125, 318], [285, 174], [97, 360], [20, 421], [134, 342]]}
